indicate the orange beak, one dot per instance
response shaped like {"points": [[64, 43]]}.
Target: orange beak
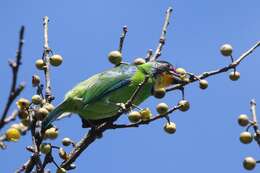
{"points": [[164, 80]]}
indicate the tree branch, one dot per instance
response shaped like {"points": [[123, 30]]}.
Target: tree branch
{"points": [[157, 53], [46, 58], [214, 72], [122, 38], [14, 90]]}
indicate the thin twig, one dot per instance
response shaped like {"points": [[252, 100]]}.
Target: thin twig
{"points": [[122, 38], [255, 124], [11, 117], [140, 86], [36, 138], [221, 70], [89, 138], [149, 54], [253, 110], [14, 90], [156, 117], [163, 35], [46, 58]]}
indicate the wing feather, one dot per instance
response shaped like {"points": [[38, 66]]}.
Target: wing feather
{"points": [[102, 83]]}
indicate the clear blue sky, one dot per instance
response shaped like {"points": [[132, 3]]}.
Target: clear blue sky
{"points": [[85, 31]]}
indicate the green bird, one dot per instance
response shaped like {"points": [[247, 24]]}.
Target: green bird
{"points": [[97, 98]]}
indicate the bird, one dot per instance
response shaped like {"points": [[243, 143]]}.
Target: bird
{"points": [[97, 98]]}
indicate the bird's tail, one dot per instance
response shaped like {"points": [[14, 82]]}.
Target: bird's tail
{"points": [[53, 115]]}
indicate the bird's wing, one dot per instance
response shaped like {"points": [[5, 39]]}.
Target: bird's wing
{"points": [[103, 83]]}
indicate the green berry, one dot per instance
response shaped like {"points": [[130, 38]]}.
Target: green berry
{"points": [[134, 116], [61, 170], [56, 60], [249, 163], [139, 61], [246, 137], [45, 148], [41, 113], [243, 120], [66, 141], [170, 127], [203, 84], [184, 105], [36, 99], [51, 133], [35, 80], [226, 50], [159, 93], [40, 64], [234, 75], [162, 108], [146, 114], [115, 57], [49, 107]]}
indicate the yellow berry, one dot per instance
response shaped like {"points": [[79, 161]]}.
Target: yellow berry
{"points": [[203, 84], [170, 127], [139, 61], [134, 116], [61, 170], [162, 108], [23, 113], [249, 163], [23, 103], [35, 80], [25, 121], [40, 64], [115, 57], [36, 99], [234, 75], [159, 93], [63, 155], [181, 71], [49, 107], [243, 120], [19, 127], [51, 133], [41, 113], [13, 134], [246, 137], [45, 148], [66, 141], [16, 126], [56, 60], [146, 114], [184, 105], [226, 50]]}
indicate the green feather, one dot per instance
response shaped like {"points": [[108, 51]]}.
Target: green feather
{"points": [[96, 97]]}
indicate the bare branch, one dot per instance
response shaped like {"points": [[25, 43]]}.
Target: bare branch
{"points": [[156, 117], [157, 53], [253, 110], [214, 72], [149, 55], [89, 138], [46, 58], [122, 38], [14, 90]]}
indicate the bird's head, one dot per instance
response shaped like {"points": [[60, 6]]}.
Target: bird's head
{"points": [[165, 74]]}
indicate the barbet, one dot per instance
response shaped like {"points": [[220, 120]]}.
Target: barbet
{"points": [[98, 98]]}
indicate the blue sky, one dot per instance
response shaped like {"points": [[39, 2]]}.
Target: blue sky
{"points": [[83, 32]]}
